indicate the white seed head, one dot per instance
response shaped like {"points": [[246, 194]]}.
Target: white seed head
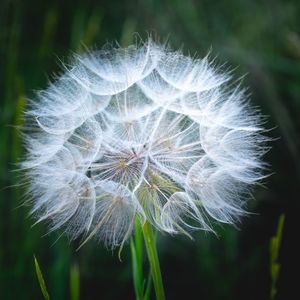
{"points": [[141, 132]]}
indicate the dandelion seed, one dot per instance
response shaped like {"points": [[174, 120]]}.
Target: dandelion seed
{"points": [[142, 132]]}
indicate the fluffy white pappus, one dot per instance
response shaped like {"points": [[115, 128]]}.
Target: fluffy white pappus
{"points": [[144, 133]]}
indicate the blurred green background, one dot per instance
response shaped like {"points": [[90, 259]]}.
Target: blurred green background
{"points": [[262, 39]]}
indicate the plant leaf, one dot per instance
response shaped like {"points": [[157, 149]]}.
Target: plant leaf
{"points": [[41, 279]]}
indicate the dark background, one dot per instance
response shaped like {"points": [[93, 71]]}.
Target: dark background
{"points": [[261, 39]]}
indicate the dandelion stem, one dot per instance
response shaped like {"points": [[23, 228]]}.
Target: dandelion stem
{"points": [[153, 260], [136, 246]]}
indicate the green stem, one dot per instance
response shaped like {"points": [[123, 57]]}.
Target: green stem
{"points": [[136, 246], [153, 260]]}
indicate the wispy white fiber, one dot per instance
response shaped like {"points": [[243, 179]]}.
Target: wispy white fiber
{"points": [[141, 132]]}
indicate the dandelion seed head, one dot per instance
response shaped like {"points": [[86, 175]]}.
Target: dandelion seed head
{"points": [[141, 132]]}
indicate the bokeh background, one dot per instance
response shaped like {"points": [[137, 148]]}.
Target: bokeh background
{"points": [[261, 39]]}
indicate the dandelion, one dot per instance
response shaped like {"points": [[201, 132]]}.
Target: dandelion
{"points": [[141, 133]]}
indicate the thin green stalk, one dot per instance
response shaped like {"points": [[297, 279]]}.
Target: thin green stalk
{"points": [[136, 246], [153, 260], [275, 244], [147, 292], [41, 279]]}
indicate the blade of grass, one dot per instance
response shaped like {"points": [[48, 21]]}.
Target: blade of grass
{"points": [[41, 280], [275, 243]]}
